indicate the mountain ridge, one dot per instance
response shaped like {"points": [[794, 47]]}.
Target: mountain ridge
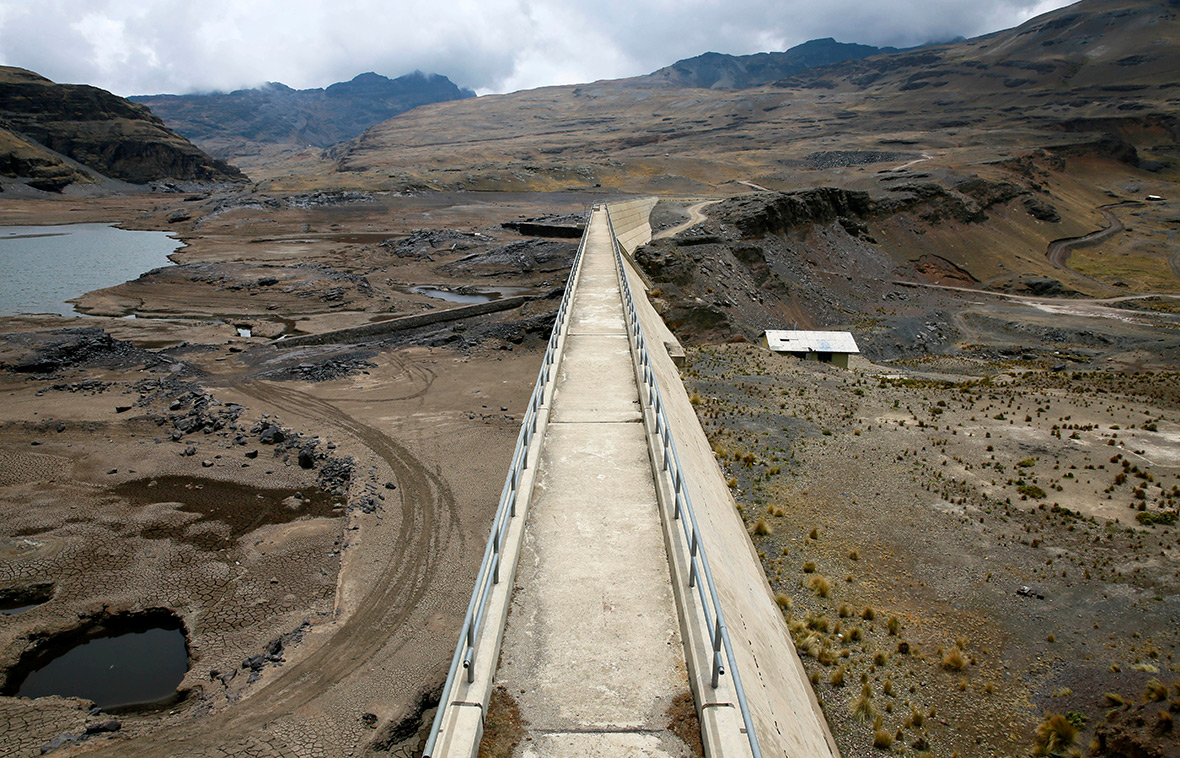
{"points": [[722, 71], [226, 124]]}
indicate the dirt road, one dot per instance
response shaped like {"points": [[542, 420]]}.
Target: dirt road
{"points": [[1059, 250], [695, 216]]}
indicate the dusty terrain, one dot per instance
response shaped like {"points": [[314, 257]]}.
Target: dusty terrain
{"points": [[960, 549], [971, 529], [131, 449]]}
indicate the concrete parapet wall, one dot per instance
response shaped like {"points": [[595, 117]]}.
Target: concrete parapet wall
{"points": [[785, 712], [371, 331], [631, 220]]}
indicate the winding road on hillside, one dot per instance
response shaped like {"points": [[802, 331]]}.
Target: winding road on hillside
{"points": [[1059, 251], [695, 216]]}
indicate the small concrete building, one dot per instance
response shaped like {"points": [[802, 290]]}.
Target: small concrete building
{"points": [[825, 347]]}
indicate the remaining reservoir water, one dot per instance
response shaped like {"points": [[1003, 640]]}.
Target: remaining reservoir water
{"points": [[43, 266], [16, 609], [455, 297], [127, 669]]}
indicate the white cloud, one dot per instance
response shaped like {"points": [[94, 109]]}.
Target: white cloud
{"points": [[154, 46]]}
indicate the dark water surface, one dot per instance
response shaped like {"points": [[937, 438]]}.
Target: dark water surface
{"points": [[133, 668]]}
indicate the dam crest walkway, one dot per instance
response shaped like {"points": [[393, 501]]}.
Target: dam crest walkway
{"points": [[601, 618]]}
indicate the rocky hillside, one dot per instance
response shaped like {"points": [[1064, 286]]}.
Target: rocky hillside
{"points": [[720, 71], [1112, 46], [1085, 78], [234, 123], [53, 135]]}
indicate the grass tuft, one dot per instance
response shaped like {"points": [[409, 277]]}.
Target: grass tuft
{"points": [[1054, 736], [953, 660]]}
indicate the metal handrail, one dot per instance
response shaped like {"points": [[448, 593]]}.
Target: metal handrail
{"points": [[489, 568], [698, 561]]}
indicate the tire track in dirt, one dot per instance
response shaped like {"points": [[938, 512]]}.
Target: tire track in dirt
{"points": [[427, 528]]}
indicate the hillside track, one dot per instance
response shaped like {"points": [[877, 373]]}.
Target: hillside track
{"points": [[1059, 251]]}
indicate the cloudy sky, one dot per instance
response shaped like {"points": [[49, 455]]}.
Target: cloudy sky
{"points": [[135, 47]]}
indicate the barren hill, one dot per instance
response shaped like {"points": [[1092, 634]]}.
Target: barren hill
{"points": [[1071, 76], [53, 135], [720, 71]]}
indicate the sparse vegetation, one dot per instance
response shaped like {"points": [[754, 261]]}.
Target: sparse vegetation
{"points": [[954, 660], [1054, 736], [985, 509]]}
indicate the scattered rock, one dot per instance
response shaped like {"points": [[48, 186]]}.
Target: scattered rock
{"points": [[59, 741], [112, 725], [271, 434]]}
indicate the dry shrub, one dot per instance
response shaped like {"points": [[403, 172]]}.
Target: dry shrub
{"points": [[1054, 736], [820, 585], [953, 660], [1155, 691], [762, 528], [862, 707]]}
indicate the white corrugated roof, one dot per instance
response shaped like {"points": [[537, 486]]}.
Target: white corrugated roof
{"points": [[788, 341]]}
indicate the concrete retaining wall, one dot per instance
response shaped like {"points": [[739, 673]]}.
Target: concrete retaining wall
{"points": [[372, 331], [631, 220]]}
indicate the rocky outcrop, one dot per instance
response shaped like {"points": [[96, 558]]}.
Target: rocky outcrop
{"points": [[773, 212], [94, 128], [39, 168]]}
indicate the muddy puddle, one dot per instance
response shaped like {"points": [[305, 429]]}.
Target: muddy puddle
{"points": [[468, 295], [228, 510], [16, 600], [451, 296], [133, 661]]}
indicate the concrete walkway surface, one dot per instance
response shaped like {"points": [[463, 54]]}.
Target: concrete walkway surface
{"points": [[592, 653]]}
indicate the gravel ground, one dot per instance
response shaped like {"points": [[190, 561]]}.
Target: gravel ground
{"points": [[958, 554]]}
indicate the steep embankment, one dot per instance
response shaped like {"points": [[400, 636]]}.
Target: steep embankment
{"points": [[53, 135], [837, 258]]}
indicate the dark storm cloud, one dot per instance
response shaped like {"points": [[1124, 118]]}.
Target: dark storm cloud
{"points": [[156, 46]]}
